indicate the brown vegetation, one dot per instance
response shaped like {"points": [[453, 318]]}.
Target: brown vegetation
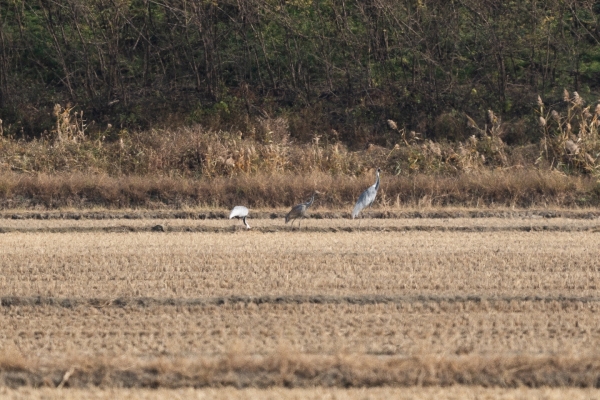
{"points": [[525, 188], [277, 393], [285, 369], [571, 143], [188, 167]]}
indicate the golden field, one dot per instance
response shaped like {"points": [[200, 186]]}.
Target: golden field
{"points": [[106, 303], [448, 393], [280, 261]]}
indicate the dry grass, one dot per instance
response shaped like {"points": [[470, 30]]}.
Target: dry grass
{"points": [[286, 369], [514, 188], [571, 134], [192, 166], [268, 148], [419, 393]]}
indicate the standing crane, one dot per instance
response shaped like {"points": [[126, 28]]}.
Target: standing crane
{"points": [[299, 211], [240, 212], [367, 197]]}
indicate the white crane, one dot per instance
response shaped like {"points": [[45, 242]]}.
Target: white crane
{"points": [[240, 212], [367, 197]]}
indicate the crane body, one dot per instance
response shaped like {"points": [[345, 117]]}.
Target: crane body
{"points": [[367, 197], [240, 212], [299, 211]]}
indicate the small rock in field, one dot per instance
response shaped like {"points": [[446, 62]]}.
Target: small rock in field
{"points": [[158, 228]]}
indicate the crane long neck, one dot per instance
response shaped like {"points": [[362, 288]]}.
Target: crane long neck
{"points": [[312, 199], [377, 181], [245, 223]]}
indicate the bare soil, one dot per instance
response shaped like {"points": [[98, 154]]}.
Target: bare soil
{"points": [[316, 224]]}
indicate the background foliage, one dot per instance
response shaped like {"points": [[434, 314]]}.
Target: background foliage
{"points": [[339, 68]]}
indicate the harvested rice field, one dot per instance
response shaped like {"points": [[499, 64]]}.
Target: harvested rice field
{"points": [[420, 393], [454, 306]]}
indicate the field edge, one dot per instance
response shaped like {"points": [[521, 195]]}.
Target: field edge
{"points": [[290, 369]]}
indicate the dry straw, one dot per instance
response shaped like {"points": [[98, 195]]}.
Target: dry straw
{"points": [[571, 140], [196, 152], [70, 156]]}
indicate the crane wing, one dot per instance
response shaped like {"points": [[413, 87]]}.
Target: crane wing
{"points": [[239, 212]]}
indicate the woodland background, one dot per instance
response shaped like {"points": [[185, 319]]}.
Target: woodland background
{"points": [[203, 89], [324, 64]]}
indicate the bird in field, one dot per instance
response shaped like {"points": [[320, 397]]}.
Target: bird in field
{"points": [[367, 197], [240, 212], [299, 211]]}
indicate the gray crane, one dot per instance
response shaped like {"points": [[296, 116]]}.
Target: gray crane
{"points": [[240, 212], [299, 211], [367, 197]]}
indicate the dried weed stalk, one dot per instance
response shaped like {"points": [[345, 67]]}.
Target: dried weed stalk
{"points": [[70, 127], [571, 139]]}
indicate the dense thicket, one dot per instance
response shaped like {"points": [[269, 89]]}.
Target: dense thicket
{"points": [[333, 67]]}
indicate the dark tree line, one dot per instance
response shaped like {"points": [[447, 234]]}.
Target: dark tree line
{"points": [[347, 65]]}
